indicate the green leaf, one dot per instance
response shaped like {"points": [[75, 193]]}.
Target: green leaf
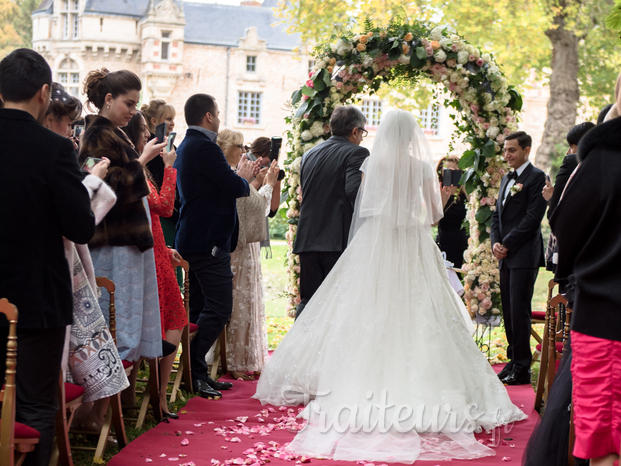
{"points": [[483, 214], [327, 78], [309, 91], [417, 62], [395, 44], [296, 96], [467, 160], [489, 149], [302, 110], [394, 53], [516, 100], [421, 53], [613, 20]]}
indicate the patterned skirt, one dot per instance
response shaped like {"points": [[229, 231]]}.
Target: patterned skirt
{"points": [[94, 361]]}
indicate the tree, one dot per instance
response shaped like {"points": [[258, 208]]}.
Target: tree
{"points": [[562, 41], [22, 20], [9, 39]]}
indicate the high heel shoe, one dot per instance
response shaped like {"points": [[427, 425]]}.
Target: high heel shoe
{"points": [[170, 415]]}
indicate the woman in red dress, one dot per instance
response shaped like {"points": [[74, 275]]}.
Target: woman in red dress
{"points": [[172, 310]]}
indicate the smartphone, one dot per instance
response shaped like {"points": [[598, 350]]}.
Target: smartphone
{"points": [[160, 131], [77, 131], [89, 163], [547, 177], [451, 177], [171, 139]]}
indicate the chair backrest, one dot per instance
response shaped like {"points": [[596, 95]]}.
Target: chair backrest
{"points": [[558, 332], [7, 396], [108, 284], [186, 287]]}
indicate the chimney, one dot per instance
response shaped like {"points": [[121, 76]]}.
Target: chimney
{"points": [[250, 3]]}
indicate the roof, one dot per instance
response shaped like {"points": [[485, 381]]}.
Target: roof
{"points": [[45, 6], [215, 24], [206, 23], [136, 8]]}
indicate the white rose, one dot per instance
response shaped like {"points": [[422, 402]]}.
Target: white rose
{"points": [[440, 56], [307, 135], [375, 67], [367, 60], [317, 129], [404, 59], [462, 57], [436, 34], [454, 37]]}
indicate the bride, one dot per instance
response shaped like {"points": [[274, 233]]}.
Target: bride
{"points": [[383, 355]]}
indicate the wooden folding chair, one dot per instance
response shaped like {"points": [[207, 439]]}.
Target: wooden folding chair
{"points": [[539, 317], [219, 350], [151, 393], [183, 373], [558, 318], [114, 416], [16, 439], [70, 398]]}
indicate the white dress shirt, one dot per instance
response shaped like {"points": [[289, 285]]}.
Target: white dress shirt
{"points": [[511, 182]]}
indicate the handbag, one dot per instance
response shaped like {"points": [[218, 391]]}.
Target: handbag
{"points": [[251, 211]]}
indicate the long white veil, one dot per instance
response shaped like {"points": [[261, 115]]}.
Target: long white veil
{"points": [[399, 187]]}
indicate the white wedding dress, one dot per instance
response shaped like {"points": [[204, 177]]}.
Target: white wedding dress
{"points": [[386, 329]]}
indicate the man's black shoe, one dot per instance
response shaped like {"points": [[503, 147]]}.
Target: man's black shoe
{"points": [[514, 379], [504, 372], [219, 385], [204, 390]]}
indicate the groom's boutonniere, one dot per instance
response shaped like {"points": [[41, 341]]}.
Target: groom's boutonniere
{"points": [[516, 188]]}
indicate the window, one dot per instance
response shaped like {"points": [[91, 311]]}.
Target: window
{"points": [[249, 108], [69, 77], [70, 20], [372, 110], [311, 63], [165, 44], [251, 64], [430, 120]]}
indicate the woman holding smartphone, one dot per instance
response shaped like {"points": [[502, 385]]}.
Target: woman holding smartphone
{"points": [[161, 203], [452, 237], [122, 247]]}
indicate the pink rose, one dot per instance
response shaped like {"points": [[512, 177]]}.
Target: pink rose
{"points": [[500, 139], [486, 126], [310, 83], [485, 287], [452, 87], [474, 108], [480, 119], [481, 296], [486, 303], [429, 50], [507, 131], [451, 63], [471, 58], [454, 47], [310, 74], [299, 191], [483, 201], [339, 85], [480, 62], [342, 73], [305, 97], [299, 197], [489, 170], [491, 201], [306, 115], [297, 300]]}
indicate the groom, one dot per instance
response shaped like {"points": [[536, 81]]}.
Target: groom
{"points": [[518, 245], [329, 177]]}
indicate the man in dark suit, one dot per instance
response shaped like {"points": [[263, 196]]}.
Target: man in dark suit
{"points": [[329, 177], [518, 245], [207, 229], [42, 199]]}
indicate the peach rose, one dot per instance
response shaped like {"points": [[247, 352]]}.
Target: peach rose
{"points": [[408, 37], [405, 48], [364, 39], [435, 44], [361, 47], [332, 61]]}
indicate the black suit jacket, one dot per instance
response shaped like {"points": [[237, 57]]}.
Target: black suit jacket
{"points": [[208, 190], [517, 224], [570, 162], [42, 199], [330, 177]]}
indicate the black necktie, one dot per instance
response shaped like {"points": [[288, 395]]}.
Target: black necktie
{"points": [[512, 175]]}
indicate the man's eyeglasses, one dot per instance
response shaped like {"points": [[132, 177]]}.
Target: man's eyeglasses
{"points": [[364, 132]]}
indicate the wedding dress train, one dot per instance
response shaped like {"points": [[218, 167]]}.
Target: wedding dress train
{"points": [[383, 354]]}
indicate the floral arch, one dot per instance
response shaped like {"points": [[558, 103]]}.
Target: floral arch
{"points": [[485, 112]]}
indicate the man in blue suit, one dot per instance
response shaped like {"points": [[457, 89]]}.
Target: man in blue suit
{"points": [[207, 230]]}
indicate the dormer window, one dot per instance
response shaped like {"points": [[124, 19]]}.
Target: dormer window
{"points": [[165, 45], [251, 63]]}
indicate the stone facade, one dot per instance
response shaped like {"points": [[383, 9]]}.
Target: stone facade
{"points": [[179, 50]]}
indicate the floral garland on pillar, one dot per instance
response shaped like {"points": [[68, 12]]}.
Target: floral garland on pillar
{"points": [[485, 112]]}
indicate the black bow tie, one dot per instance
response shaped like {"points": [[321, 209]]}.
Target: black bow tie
{"points": [[512, 175]]}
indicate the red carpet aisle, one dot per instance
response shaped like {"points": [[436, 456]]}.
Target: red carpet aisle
{"points": [[237, 430]]}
